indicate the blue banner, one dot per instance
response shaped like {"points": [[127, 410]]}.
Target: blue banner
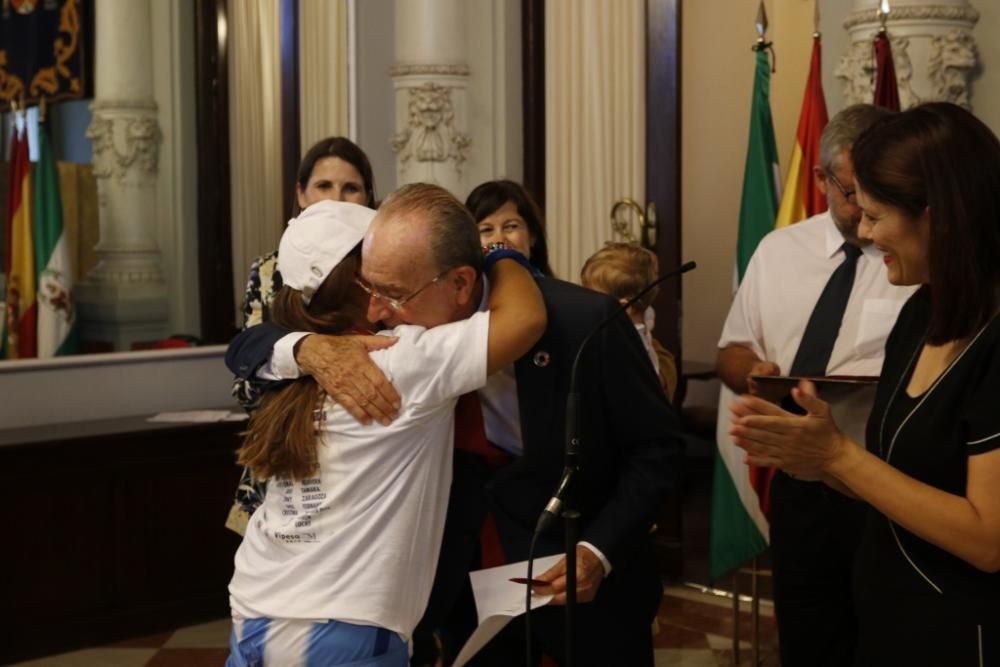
{"points": [[45, 51]]}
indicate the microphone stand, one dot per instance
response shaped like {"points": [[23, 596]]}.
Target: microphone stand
{"points": [[561, 502]]}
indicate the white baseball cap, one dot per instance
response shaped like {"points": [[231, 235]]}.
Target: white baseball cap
{"points": [[315, 242]]}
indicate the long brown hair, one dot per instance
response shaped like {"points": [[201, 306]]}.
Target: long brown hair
{"points": [[281, 438]]}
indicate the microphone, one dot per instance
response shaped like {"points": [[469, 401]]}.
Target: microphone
{"points": [[554, 506]]}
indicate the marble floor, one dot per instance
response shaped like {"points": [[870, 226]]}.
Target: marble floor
{"points": [[695, 629]]}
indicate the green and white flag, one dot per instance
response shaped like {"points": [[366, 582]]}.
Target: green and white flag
{"points": [[57, 327], [739, 529]]}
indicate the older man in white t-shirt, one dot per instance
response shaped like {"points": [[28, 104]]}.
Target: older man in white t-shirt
{"points": [[812, 530]]}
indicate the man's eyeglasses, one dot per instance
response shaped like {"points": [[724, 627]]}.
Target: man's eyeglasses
{"points": [[850, 195], [396, 304]]}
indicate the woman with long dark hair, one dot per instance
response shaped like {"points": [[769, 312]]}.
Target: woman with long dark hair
{"points": [[334, 169]]}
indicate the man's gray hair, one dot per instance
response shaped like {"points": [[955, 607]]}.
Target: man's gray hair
{"points": [[453, 236], [845, 128]]}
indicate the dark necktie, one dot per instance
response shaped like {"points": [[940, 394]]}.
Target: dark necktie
{"points": [[470, 431], [470, 436], [821, 332]]}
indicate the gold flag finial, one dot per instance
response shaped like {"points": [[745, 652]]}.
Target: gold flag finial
{"points": [[761, 21], [762, 44]]}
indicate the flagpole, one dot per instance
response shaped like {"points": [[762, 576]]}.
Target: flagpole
{"points": [[738, 526], [755, 614], [760, 171], [736, 617]]}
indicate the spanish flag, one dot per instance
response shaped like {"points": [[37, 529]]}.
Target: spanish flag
{"points": [[802, 199], [22, 310]]}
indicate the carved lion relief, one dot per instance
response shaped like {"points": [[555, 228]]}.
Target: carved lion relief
{"points": [[140, 138], [950, 63], [856, 69], [430, 134]]}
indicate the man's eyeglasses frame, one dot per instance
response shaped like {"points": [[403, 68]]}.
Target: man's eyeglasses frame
{"points": [[396, 304], [850, 195]]}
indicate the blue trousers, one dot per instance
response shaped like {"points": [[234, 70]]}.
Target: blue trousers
{"points": [[260, 642]]}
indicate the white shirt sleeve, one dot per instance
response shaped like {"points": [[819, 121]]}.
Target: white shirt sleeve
{"points": [[743, 324], [597, 552], [429, 366], [281, 365]]}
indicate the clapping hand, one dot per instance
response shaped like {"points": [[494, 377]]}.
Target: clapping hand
{"points": [[804, 446]]}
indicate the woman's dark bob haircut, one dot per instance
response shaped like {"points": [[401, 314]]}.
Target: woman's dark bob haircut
{"points": [[940, 158], [491, 195]]}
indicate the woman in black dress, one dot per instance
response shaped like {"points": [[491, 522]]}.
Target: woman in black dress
{"points": [[927, 583]]}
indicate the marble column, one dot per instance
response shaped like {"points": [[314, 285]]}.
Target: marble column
{"points": [[932, 47], [430, 77], [124, 298]]}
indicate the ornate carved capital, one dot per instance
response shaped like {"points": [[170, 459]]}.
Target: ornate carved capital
{"points": [[950, 64], [125, 276], [856, 69], [433, 70], [430, 134], [123, 105], [122, 138], [950, 52], [914, 12]]}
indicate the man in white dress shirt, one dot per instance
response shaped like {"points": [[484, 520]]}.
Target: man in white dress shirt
{"points": [[814, 530]]}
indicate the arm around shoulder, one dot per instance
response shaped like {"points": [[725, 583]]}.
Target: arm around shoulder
{"points": [[251, 348], [517, 314]]}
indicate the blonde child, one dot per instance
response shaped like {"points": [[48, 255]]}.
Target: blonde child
{"points": [[622, 270]]}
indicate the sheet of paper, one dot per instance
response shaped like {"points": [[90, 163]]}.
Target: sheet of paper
{"points": [[498, 600], [191, 416]]}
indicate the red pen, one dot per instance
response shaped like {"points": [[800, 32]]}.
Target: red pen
{"points": [[534, 582]]}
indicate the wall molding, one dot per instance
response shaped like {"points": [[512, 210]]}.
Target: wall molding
{"points": [[914, 12]]}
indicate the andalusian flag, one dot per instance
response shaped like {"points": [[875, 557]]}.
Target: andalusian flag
{"points": [[739, 528], [759, 204], [21, 306], [802, 199], [57, 330]]}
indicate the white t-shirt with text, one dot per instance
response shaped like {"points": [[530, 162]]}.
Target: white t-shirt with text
{"points": [[359, 541]]}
